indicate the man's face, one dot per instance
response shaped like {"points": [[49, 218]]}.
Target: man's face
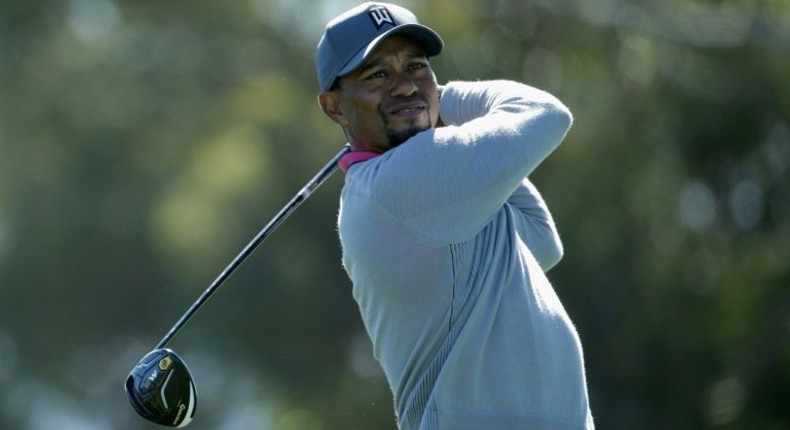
{"points": [[391, 97]]}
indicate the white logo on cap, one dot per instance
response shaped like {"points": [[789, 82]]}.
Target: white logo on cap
{"points": [[380, 15]]}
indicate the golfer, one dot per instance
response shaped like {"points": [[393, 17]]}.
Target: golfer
{"points": [[445, 239]]}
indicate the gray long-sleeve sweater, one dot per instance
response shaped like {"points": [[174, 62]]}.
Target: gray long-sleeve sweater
{"points": [[446, 242]]}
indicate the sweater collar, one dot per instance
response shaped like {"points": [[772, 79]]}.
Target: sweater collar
{"points": [[353, 157]]}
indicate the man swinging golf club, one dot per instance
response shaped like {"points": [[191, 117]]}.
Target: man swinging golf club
{"points": [[444, 237]]}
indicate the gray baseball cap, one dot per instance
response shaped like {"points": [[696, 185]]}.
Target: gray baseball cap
{"points": [[353, 35]]}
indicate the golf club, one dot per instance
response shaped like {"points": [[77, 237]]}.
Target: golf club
{"points": [[160, 387]]}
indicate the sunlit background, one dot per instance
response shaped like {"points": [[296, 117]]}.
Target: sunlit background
{"points": [[143, 143]]}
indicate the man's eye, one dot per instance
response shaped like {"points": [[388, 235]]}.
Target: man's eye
{"points": [[377, 75], [416, 66]]}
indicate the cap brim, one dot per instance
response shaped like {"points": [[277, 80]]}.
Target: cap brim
{"points": [[429, 40]]}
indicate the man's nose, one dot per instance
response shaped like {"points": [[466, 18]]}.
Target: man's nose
{"points": [[403, 85]]}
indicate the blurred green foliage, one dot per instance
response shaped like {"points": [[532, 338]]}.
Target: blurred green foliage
{"points": [[143, 143]]}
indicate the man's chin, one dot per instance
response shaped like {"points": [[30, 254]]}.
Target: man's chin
{"points": [[397, 137]]}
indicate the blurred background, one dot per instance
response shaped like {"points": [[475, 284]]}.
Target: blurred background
{"points": [[143, 143]]}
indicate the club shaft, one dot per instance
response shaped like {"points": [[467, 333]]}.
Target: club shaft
{"points": [[300, 197]]}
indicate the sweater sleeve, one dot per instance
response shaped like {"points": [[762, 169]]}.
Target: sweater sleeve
{"points": [[447, 183], [538, 229], [462, 102]]}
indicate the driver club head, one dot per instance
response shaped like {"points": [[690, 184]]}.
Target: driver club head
{"points": [[160, 389]]}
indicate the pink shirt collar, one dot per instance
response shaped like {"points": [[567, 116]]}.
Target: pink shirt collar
{"points": [[353, 157]]}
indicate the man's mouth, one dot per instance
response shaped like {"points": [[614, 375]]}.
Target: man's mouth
{"points": [[413, 105], [408, 109]]}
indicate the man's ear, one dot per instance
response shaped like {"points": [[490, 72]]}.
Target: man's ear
{"points": [[330, 104]]}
